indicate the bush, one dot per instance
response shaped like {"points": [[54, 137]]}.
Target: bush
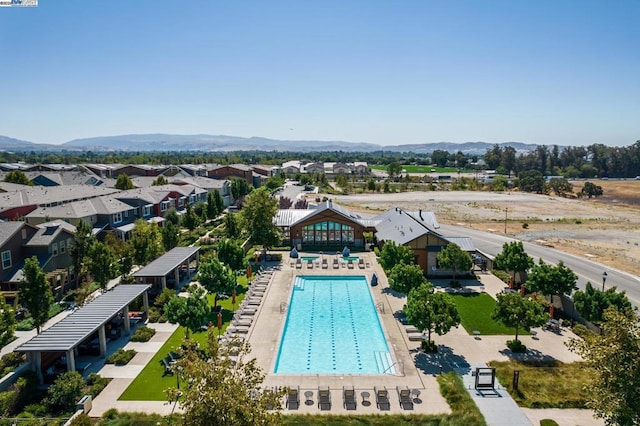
{"points": [[81, 420], [65, 392], [582, 331], [503, 275], [376, 251], [516, 346], [21, 393], [121, 357], [143, 334], [525, 225], [96, 384], [10, 362], [548, 422], [163, 298], [154, 314], [35, 410], [429, 346], [162, 319]]}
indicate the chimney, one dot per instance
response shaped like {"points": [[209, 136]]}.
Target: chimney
{"points": [[420, 214]]}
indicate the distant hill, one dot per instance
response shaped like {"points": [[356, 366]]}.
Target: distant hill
{"points": [[222, 143]]}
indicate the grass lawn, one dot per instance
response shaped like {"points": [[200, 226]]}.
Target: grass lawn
{"points": [[545, 384], [475, 312], [150, 385], [424, 169]]}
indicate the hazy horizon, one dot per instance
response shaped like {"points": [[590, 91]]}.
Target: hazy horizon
{"points": [[379, 72]]}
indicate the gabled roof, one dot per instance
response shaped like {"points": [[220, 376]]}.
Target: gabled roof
{"points": [[465, 243], [83, 208], [329, 205], [43, 195], [402, 227], [287, 217], [49, 231], [8, 230]]}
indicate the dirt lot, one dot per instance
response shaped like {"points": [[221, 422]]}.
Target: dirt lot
{"points": [[606, 229]]}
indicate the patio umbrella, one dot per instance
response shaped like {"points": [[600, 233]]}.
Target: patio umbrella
{"points": [[293, 253], [374, 280], [345, 251]]}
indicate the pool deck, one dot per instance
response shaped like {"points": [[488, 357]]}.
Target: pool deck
{"points": [[264, 337]]}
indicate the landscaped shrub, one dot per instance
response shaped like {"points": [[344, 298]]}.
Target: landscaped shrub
{"points": [[582, 331], [121, 357], [376, 250], [516, 346], [154, 314], [10, 362], [525, 225], [143, 334], [548, 422], [429, 346], [27, 323], [162, 319], [64, 392], [503, 275], [81, 420], [96, 384]]}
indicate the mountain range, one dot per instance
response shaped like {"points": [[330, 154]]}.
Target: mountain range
{"points": [[222, 143]]}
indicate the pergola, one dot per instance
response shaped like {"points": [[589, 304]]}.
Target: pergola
{"points": [[167, 263], [66, 335]]}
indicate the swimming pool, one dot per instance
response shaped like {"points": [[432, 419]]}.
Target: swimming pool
{"points": [[350, 258], [332, 327]]}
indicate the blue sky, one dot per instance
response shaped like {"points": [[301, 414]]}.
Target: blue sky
{"points": [[386, 72]]}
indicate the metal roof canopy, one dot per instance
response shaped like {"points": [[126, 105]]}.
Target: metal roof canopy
{"points": [[72, 330], [167, 262]]}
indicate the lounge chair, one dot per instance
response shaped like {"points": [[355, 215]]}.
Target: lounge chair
{"points": [[382, 398], [325, 264], [309, 264], [361, 263], [299, 264], [411, 329], [293, 398], [415, 336], [324, 398], [336, 264], [246, 322], [349, 398], [350, 264], [404, 397]]}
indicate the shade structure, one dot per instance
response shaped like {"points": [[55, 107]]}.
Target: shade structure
{"points": [[374, 280], [345, 251], [293, 253]]}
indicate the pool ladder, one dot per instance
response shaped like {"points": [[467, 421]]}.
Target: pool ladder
{"points": [[283, 307], [380, 307]]}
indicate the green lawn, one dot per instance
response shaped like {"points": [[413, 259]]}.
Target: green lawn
{"points": [[150, 385], [475, 312], [424, 169]]}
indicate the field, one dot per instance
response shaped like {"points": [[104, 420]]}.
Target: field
{"points": [[475, 313]]}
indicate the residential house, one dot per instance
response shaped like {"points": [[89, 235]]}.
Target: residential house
{"points": [[13, 237]]}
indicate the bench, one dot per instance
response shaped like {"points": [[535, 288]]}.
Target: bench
{"points": [[168, 371]]}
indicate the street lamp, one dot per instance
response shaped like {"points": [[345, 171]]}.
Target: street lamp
{"points": [[604, 279], [506, 210]]}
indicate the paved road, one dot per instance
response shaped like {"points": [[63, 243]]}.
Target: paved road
{"points": [[587, 270]]}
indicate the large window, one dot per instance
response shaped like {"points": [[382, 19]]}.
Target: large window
{"points": [[328, 233], [6, 259]]}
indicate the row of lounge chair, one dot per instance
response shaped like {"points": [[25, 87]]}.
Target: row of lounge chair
{"points": [[243, 317], [325, 263], [349, 398]]}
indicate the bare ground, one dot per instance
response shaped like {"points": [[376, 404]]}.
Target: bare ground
{"points": [[606, 229]]}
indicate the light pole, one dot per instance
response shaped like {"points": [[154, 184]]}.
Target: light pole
{"points": [[604, 279], [506, 210]]}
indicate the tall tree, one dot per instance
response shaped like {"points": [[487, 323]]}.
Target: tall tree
{"points": [[126, 258], [454, 258], [519, 312], [82, 240], [17, 176], [614, 358], [190, 219], [403, 278], [124, 182], [393, 254], [7, 323], [216, 277], [212, 207], [172, 216], [513, 258], [190, 312], [230, 253], [226, 388], [102, 264], [552, 280], [170, 235], [592, 303], [257, 216], [217, 198], [394, 169], [431, 311], [147, 242], [231, 229], [532, 181], [35, 292], [239, 188], [591, 190]]}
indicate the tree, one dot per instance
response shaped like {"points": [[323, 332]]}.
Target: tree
{"points": [[394, 169], [126, 258], [239, 188], [231, 229], [551, 280], [17, 176], [102, 263], [35, 292], [65, 391], [590, 189], [146, 241], [257, 218], [284, 203], [212, 207], [170, 235], [403, 278], [561, 187], [431, 311], [172, 216], [226, 388], [190, 312], [82, 240], [274, 182], [519, 312], [393, 254], [454, 258], [614, 358], [216, 277], [371, 184], [7, 323], [190, 219], [592, 303], [217, 199], [532, 181], [160, 180], [230, 253], [124, 182], [513, 258]]}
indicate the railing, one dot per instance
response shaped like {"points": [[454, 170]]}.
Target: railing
{"points": [[283, 307], [399, 364], [380, 307]]}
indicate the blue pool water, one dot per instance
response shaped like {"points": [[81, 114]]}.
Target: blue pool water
{"points": [[332, 327]]}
